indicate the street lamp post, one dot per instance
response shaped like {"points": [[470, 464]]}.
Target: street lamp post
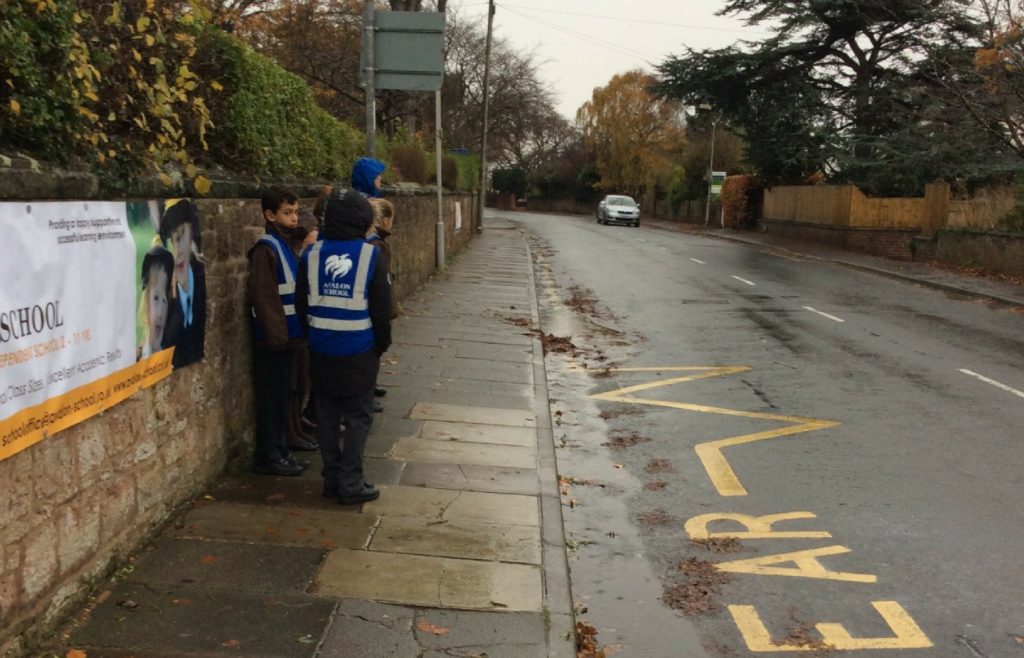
{"points": [[711, 167]]}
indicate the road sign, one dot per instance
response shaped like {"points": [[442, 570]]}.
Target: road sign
{"points": [[408, 50], [717, 178]]}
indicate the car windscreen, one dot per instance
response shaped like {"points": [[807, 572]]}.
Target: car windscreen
{"points": [[621, 201]]}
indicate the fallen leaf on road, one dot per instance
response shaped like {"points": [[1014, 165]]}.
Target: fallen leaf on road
{"points": [[209, 559], [127, 604], [208, 497], [1018, 639], [427, 627], [180, 601], [74, 653], [306, 639], [230, 643], [275, 497], [617, 466]]}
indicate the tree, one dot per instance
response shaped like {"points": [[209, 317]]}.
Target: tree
{"points": [[522, 120], [987, 81], [826, 92], [632, 132]]}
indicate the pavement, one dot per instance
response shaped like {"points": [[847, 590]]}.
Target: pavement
{"points": [[463, 554], [921, 273]]}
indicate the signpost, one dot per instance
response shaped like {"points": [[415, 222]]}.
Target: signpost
{"points": [[717, 178], [404, 50]]}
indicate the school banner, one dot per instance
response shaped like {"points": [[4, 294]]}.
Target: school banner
{"points": [[96, 299]]}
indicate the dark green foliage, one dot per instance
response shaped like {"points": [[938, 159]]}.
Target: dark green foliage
{"points": [[34, 74], [839, 89], [511, 180], [266, 121], [449, 172], [586, 184]]}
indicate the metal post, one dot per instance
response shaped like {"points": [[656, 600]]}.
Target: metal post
{"points": [[711, 173], [440, 195], [369, 84], [483, 133]]}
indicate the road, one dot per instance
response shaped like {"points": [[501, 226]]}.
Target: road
{"points": [[879, 420]]}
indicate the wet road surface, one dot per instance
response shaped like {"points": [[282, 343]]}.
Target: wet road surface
{"points": [[762, 454]]}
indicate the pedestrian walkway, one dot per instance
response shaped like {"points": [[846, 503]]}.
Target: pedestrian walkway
{"points": [[914, 272], [462, 555]]}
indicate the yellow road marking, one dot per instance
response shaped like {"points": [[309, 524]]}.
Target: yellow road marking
{"points": [[757, 527], [807, 566], [710, 453], [908, 635]]}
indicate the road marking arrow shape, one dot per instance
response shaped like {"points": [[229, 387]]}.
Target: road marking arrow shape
{"points": [[710, 453]]}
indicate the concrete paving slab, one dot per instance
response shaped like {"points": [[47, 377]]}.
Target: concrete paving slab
{"points": [[477, 399], [279, 492], [467, 350], [431, 581], [473, 541], [514, 633], [455, 506], [245, 567], [494, 479], [479, 415], [490, 372], [324, 529], [366, 628], [457, 452], [185, 619], [437, 430]]}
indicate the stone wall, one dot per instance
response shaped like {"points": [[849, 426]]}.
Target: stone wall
{"points": [[1002, 252], [77, 503]]}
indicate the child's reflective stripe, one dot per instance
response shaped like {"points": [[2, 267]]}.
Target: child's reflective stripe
{"points": [[288, 287], [340, 325]]}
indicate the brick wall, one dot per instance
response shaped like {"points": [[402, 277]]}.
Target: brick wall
{"points": [[78, 502], [891, 243]]}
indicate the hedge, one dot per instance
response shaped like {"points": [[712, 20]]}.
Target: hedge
{"points": [[129, 87]]}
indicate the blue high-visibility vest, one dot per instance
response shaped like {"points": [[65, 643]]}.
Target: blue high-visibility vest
{"points": [[339, 311], [287, 269]]}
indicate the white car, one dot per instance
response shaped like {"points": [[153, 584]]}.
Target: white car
{"points": [[618, 209]]}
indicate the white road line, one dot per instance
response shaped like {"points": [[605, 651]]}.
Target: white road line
{"points": [[698, 261], [985, 379], [749, 283], [824, 315]]}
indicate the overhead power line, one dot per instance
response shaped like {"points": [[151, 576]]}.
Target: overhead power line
{"points": [[620, 19], [583, 36]]}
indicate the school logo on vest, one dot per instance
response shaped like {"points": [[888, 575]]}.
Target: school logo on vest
{"points": [[338, 266]]}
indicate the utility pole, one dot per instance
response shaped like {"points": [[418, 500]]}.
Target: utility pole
{"points": [[369, 84], [439, 233], [483, 132], [711, 171]]}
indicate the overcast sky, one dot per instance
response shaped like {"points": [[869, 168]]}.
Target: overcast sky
{"points": [[581, 44]]}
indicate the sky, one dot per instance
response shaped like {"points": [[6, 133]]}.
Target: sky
{"points": [[581, 44]]}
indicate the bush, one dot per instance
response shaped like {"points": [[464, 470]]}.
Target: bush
{"points": [[409, 163], [39, 93], [742, 199], [509, 181], [267, 120], [449, 173]]}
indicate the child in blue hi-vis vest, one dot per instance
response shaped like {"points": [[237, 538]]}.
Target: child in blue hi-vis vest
{"points": [[277, 333], [343, 298]]}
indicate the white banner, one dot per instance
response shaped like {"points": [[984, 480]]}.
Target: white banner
{"points": [[67, 306], [99, 300]]}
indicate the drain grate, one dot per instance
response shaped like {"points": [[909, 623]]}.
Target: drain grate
{"points": [[712, 300]]}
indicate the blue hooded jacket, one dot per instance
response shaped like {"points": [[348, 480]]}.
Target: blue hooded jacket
{"points": [[363, 174]]}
